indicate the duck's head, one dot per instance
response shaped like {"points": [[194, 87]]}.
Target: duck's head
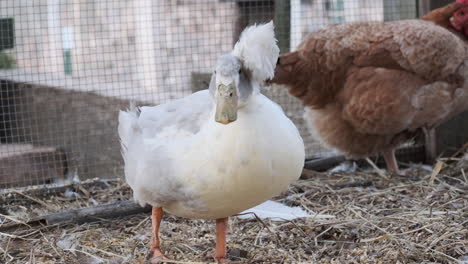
{"points": [[231, 88], [240, 73]]}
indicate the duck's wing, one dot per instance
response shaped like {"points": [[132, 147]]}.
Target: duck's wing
{"points": [[180, 116], [153, 140]]}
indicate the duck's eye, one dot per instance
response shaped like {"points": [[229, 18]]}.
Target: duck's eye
{"points": [[240, 71], [214, 72], [230, 95]]}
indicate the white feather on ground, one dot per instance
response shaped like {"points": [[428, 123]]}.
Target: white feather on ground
{"points": [[278, 212], [347, 166]]}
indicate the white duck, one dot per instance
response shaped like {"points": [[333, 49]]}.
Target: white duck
{"points": [[216, 152]]}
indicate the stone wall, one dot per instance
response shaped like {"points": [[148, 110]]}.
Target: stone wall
{"points": [[81, 124]]}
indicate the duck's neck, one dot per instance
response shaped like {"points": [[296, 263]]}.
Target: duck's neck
{"points": [[255, 92]]}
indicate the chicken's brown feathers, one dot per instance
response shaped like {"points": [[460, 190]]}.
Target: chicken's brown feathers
{"points": [[370, 86]]}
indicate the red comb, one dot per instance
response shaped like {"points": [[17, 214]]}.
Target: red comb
{"points": [[465, 2]]}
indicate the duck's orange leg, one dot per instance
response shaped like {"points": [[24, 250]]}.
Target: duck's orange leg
{"points": [[221, 227], [156, 254]]}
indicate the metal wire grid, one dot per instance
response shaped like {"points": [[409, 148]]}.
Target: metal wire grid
{"points": [[76, 63]]}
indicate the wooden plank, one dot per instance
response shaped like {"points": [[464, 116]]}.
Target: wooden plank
{"points": [[85, 215], [42, 190], [324, 164], [95, 213], [412, 154]]}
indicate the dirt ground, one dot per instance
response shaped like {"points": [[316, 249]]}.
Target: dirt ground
{"points": [[378, 218]]}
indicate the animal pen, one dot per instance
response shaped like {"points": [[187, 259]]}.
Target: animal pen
{"points": [[68, 67]]}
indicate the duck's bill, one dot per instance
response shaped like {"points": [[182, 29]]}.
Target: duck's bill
{"points": [[226, 104]]}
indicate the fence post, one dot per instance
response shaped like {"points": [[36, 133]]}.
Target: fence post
{"points": [[296, 25], [283, 24], [53, 52], [338, 8], [145, 42], [423, 7], [399, 9]]}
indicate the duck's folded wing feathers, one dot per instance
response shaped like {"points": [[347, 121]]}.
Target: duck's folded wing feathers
{"points": [[151, 142], [184, 115]]}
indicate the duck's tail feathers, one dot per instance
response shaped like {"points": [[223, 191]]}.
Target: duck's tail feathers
{"points": [[128, 126]]}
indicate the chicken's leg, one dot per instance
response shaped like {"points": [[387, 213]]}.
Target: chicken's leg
{"points": [[390, 160], [430, 142], [221, 226], [156, 254]]}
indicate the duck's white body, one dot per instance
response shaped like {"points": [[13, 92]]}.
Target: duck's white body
{"points": [[177, 157], [220, 151]]}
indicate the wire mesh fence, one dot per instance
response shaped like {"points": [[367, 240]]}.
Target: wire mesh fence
{"points": [[67, 67]]}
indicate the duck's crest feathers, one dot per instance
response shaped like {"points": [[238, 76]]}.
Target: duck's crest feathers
{"points": [[258, 51]]}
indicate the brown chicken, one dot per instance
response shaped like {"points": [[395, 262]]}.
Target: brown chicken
{"points": [[369, 87]]}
